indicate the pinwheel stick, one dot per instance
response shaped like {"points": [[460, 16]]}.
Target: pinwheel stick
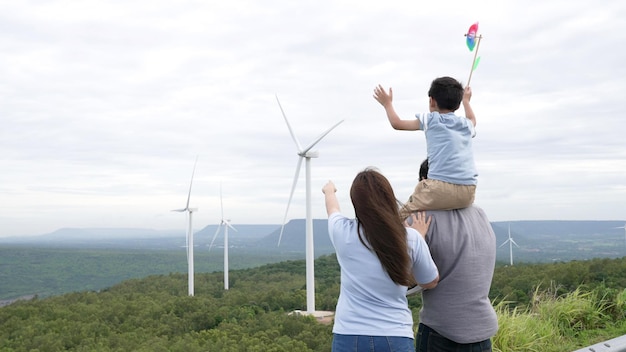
{"points": [[474, 61]]}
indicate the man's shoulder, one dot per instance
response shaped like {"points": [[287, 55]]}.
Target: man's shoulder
{"points": [[472, 211], [471, 219]]}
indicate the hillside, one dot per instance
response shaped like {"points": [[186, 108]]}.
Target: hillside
{"points": [[155, 314], [70, 260]]}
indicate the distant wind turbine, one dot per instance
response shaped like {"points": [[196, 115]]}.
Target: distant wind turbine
{"points": [[189, 239], [622, 227], [511, 242], [226, 224], [307, 154]]}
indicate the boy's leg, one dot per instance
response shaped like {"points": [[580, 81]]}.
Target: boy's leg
{"points": [[421, 199], [432, 194], [454, 196]]}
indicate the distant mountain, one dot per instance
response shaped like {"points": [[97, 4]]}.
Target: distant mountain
{"points": [[294, 237], [243, 232], [560, 240], [539, 241], [102, 233], [559, 227], [98, 237], [139, 238]]}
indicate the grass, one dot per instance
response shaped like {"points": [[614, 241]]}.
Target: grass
{"points": [[556, 323]]}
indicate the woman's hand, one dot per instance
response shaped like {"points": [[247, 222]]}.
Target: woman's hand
{"points": [[329, 188]]}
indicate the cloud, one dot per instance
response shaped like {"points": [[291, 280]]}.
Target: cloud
{"points": [[105, 105]]}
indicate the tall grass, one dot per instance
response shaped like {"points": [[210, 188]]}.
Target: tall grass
{"points": [[558, 323]]}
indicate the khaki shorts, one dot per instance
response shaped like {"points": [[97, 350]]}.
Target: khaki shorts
{"points": [[432, 194]]}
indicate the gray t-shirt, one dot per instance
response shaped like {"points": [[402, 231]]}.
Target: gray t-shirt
{"points": [[463, 246]]}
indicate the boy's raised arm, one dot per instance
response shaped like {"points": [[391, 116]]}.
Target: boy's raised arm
{"points": [[469, 113], [386, 100]]}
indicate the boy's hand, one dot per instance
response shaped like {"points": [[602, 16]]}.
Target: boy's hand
{"points": [[383, 97], [467, 94]]}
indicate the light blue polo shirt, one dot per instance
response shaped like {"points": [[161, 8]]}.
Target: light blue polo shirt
{"points": [[449, 147], [370, 303]]}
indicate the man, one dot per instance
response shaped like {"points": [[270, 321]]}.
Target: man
{"points": [[457, 315]]}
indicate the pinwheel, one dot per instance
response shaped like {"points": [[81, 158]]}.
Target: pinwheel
{"points": [[472, 39]]}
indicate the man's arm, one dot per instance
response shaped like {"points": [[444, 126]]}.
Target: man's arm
{"points": [[469, 113], [386, 100], [332, 204]]}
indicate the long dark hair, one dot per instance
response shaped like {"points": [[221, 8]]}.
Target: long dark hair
{"points": [[378, 219]]}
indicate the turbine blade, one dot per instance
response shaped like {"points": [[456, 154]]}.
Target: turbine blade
{"points": [[231, 226], [293, 136], [221, 202], [505, 242], [215, 236], [293, 187], [320, 137], [191, 182], [513, 241]]}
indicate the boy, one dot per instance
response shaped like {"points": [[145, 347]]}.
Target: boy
{"points": [[452, 177]]}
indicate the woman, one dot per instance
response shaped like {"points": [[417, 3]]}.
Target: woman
{"points": [[379, 258]]}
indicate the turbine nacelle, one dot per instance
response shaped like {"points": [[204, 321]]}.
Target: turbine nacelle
{"points": [[309, 154]]}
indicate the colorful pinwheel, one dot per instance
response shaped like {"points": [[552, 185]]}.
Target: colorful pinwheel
{"points": [[472, 39]]}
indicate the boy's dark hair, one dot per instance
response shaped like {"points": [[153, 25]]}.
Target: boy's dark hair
{"points": [[447, 92]]}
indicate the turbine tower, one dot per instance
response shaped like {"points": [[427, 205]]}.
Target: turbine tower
{"points": [[226, 224], [511, 242], [189, 239], [306, 154], [622, 227]]}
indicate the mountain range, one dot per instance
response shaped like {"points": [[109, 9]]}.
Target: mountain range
{"points": [[538, 241]]}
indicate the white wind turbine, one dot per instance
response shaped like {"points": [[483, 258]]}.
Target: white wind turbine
{"points": [[511, 242], [189, 239], [226, 224], [622, 227], [307, 154]]}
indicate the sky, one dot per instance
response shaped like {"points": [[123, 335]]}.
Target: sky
{"points": [[105, 105]]}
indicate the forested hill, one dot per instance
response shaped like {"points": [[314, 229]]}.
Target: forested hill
{"points": [[155, 313]]}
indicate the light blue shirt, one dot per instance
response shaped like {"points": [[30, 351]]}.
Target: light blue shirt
{"points": [[370, 303], [449, 147]]}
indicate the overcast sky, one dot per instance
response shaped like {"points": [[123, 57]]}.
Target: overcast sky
{"points": [[104, 106]]}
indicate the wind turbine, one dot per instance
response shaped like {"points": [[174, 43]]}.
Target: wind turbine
{"points": [[306, 154], [189, 239], [622, 227], [511, 243], [226, 224]]}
